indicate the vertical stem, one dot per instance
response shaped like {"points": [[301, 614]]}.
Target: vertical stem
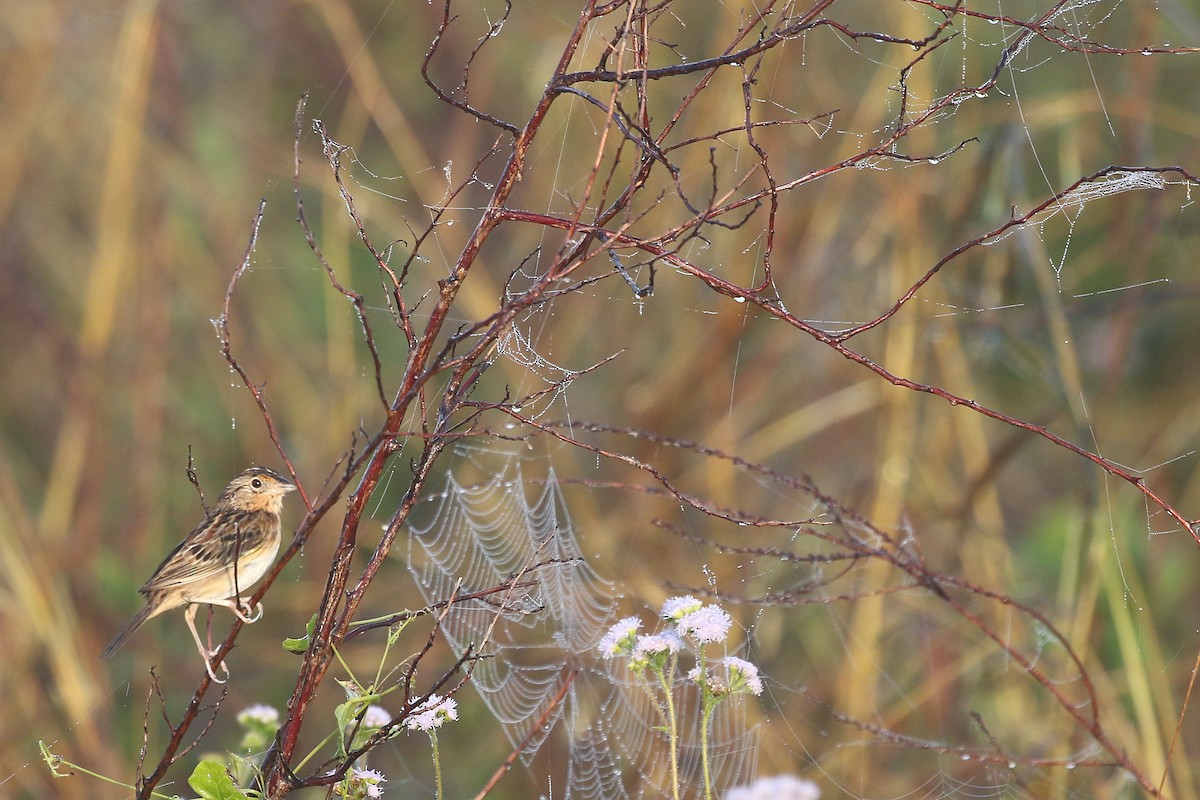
{"points": [[706, 697], [666, 678], [437, 763]]}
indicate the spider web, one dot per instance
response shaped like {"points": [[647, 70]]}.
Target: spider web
{"points": [[517, 346], [547, 630]]}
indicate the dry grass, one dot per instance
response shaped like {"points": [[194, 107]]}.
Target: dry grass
{"points": [[138, 138]]}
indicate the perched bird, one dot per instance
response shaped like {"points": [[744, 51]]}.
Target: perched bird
{"points": [[225, 555]]}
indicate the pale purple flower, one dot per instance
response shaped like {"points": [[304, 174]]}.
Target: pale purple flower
{"points": [[376, 717], [259, 713], [743, 676], [778, 787], [371, 781], [650, 645], [676, 607], [706, 624], [432, 713], [620, 637]]}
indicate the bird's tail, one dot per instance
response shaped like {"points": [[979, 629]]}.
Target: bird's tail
{"points": [[130, 628]]}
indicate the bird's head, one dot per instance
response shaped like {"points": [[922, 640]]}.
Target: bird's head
{"points": [[256, 489]]}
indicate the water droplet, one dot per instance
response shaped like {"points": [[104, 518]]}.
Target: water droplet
{"points": [[934, 160], [1147, 52], [739, 299]]}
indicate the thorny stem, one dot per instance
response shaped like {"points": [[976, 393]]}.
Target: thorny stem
{"points": [[279, 779]]}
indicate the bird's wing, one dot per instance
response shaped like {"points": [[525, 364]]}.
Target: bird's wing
{"points": [[203, 554]]}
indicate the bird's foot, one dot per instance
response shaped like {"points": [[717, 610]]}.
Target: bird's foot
{"points": [[247, 614], [208, 668]]}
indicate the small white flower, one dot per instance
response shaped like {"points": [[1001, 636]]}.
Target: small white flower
{"points": [[676, 607], [619, 639], [376, 717], [259, 713], [743, 676], [371, 781], [706, 625], [778, 787], [650, 645], [432, 713]]}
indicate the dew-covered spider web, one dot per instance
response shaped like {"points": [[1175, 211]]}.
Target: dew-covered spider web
{"points": [[544, 633]]}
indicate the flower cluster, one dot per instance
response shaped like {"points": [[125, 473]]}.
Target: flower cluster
{"points": [[360, 730], [432, 713], [691, 621], [427, 716], [620, 638], [260, 722], [707, 624], [361, 784], [740, 677], [376, 717], [654, 657], [260, 714], [778, 787]]}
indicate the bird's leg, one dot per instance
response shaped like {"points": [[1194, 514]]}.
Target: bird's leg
{"points": [[205, 653]]}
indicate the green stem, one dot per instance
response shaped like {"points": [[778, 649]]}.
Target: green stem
{"points": [[708, 712], [666, 678], [710, 703], [437, 762]]}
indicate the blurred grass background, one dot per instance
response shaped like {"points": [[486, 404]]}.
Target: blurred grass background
{"points": [[138, 138]]}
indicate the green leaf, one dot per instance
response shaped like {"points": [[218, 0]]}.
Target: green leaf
{"points": [[297, 646], [213, 782], [300, 646], [345, 714]]}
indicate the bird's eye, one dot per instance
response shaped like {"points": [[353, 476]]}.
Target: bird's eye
{"points": [[256, 483]]}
